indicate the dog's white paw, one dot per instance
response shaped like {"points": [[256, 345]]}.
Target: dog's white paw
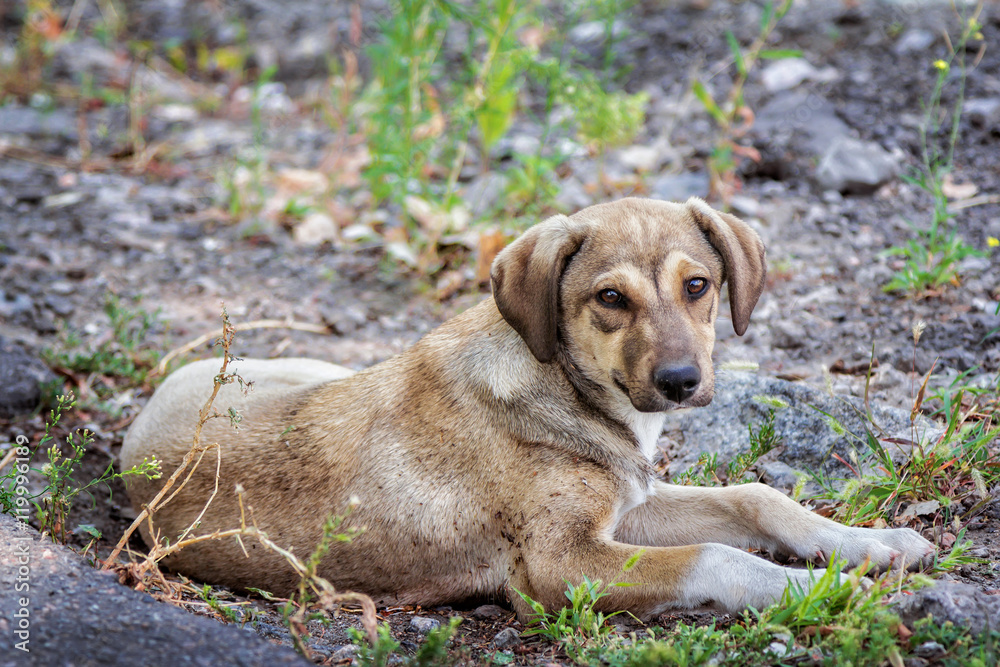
{"points": [[897, 548], [731, 580]]}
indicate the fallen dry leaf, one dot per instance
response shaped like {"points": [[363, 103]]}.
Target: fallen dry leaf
{"points": [[490, 245], [953, 190]]}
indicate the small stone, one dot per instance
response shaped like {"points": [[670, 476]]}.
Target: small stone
{"points": [[424, 625], [914, 41], [488, 612], [506, 638], [678, 187], [780, 475], [962, 604], [60, 305], [788, 335], [21, 378], [982, 112], [777, 648], [593, 32], [789, 72], [15, 304], [344, 653], [745, 206], [641, 158], [484, 192], [315, 228], [856, 167], [929, 650]]}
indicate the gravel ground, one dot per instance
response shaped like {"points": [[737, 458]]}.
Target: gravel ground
{"points": [[73, 230]]}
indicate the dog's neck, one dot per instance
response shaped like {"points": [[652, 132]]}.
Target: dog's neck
{"points": [[545, 403]]}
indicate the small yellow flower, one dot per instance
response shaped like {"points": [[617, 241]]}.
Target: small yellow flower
{"points": [[941, 65], [992, 241]]}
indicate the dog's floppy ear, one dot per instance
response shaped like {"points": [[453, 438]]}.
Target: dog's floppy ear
{"points": [[742, 253], [525, 278]]}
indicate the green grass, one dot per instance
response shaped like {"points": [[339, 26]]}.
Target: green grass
{"points": [[709, 471], [842, 620], [931, 257], [125, 354]]}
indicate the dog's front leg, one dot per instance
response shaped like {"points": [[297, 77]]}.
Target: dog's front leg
{"points": [[755, 515], [691, 577]]}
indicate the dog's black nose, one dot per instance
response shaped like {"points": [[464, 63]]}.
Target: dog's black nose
{"points": [[677, 382]]}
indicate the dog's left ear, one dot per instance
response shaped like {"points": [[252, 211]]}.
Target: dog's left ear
{"points": [[525, 278], [742, 253]]}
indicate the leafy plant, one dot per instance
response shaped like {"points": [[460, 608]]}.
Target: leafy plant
{"points": [[405, 114], [226, 612], [958, 468], [708, 471], [930, 258], [123, 355], [579, 624], [434, 650], [732, 116], [608, 119], [244, 186], [375, 654], [54, 502], [298, 610]]}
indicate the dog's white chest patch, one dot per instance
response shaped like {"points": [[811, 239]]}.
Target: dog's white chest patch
{"points": [[647, 427]]}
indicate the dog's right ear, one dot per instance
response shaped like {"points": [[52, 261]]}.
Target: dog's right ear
{"points": [[525, 278]]}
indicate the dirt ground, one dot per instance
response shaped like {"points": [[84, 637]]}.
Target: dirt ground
{"points": [[73, 230]]}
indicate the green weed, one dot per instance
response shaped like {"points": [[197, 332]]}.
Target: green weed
{"points": [[226, 612], [732, 116], [708, 471], [244, 186], [434, 650], [930, 258], [310, 598], [955, 472], [124, 355], [54, 502], [578, 625]]}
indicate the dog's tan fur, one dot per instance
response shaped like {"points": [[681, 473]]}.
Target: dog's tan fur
{"points": [[511, 447]]}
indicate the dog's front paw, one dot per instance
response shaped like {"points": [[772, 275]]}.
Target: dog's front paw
{"points": [[885, 548]]}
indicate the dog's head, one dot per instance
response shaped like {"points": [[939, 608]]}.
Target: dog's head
{"points": [[629, 291]]}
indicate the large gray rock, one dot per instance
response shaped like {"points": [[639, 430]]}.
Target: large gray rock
{"points": [[801, 121], [21, 379], [962, 604], [851, 166], [79, 616], [808, 440]]}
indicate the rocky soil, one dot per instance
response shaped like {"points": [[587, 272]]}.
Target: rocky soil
{"points": [[80, 218]]}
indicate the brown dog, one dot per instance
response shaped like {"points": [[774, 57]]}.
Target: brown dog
{"points": [[511, 447]]}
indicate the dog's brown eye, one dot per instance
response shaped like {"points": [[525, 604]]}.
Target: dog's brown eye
{"points": [[696, 286], [610, 297]]}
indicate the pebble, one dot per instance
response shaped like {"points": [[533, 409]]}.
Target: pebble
{"points": [[678, 187], [790, 72], [488, 612], [572, 196], [855, 167], [424, 625], [507, 638], [483, 193], [316, 228], [914, 41], [929, 650]]}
